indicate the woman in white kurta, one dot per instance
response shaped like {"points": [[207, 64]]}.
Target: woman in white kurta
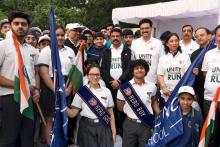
{"points": [[172, 66]]}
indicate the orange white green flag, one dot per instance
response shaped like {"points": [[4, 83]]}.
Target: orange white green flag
{"points": [[21, 84], [208, 127], [75, 76]]}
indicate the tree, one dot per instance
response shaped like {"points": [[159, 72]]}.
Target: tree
{"points": [[88, 12]]}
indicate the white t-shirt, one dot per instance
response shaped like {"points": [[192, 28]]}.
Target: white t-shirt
{"points": [[67, 57], [190, 48], [116, 65], [173, 69], [145, 91], [149, 51], [211, 64], [8, 60], [104, 96]]}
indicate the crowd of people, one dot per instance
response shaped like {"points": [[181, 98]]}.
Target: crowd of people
{"points": [[127, 76]]}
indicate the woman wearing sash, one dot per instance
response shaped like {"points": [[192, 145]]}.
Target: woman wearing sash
{"points": [[172, 66], [136, 99], [95, 104], [47, 100]]}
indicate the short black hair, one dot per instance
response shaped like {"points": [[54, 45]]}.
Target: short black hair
{"points": [[104, 27], [164, 35], [18, 14], [216, 29], [187, 25], [137, 34], [82, 37], [116, 30], [110, 24], [98, 34], [127, 32], [87, 32], [166, 49], [146, 20], [204, 28], [139, 62]]}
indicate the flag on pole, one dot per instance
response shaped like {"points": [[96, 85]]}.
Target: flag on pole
{"points": [[168, 125], [59, 131], [75, 76], [208, 127], [21, 84]]}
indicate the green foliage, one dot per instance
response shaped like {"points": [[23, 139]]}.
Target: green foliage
{"points": [[88, 12]]}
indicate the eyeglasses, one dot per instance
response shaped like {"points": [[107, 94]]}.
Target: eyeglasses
{"points": [[94, 75]]}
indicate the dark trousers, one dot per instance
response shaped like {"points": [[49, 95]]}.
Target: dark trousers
{"points": [[119, 116], [214, 141], [135, 134], [17, 130], [92, 134]]}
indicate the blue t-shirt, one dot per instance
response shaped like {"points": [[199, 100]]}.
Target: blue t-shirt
{"points": [[192, 126]]}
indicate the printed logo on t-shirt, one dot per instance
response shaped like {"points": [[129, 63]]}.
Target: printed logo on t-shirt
{"points": [[146, 57], [174, 73], [215, 77], [116, 63]]}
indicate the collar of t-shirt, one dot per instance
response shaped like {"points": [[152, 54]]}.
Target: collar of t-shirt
{"points": [[191, 42], [174, 56], [119, 49], [98, 89], [150, 40], [133, 82], [77, 44]]}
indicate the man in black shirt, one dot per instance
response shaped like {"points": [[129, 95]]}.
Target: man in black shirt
{"points": [[202, 36]]}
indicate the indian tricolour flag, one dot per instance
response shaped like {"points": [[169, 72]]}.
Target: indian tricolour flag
{"points": [[75, 76], [208, 127], [21, 84]]}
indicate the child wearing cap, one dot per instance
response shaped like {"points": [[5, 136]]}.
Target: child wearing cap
{"points": [[192, 120]]}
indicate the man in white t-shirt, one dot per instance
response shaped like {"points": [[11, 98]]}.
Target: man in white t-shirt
{"points": [[188, 45], [16, 129], [211, 71], [148, 48]]}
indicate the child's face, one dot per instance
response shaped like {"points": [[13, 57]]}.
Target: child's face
{"points": [[185, 101]]}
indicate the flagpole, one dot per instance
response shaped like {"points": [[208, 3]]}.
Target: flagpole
{"points": [[41, 114]]}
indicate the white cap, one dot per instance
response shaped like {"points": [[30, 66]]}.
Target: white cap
{"points": [[71, 26], [186, 89], [44, 37]]}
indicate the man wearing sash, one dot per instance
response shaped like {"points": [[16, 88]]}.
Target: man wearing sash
{"points": [[17, 128], [136, 99]]}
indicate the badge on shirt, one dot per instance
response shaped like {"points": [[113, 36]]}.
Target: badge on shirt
{"points": [[102, 97], [71, 58], [128, 91], [32, 56], [149, 93], [93, 102]]}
